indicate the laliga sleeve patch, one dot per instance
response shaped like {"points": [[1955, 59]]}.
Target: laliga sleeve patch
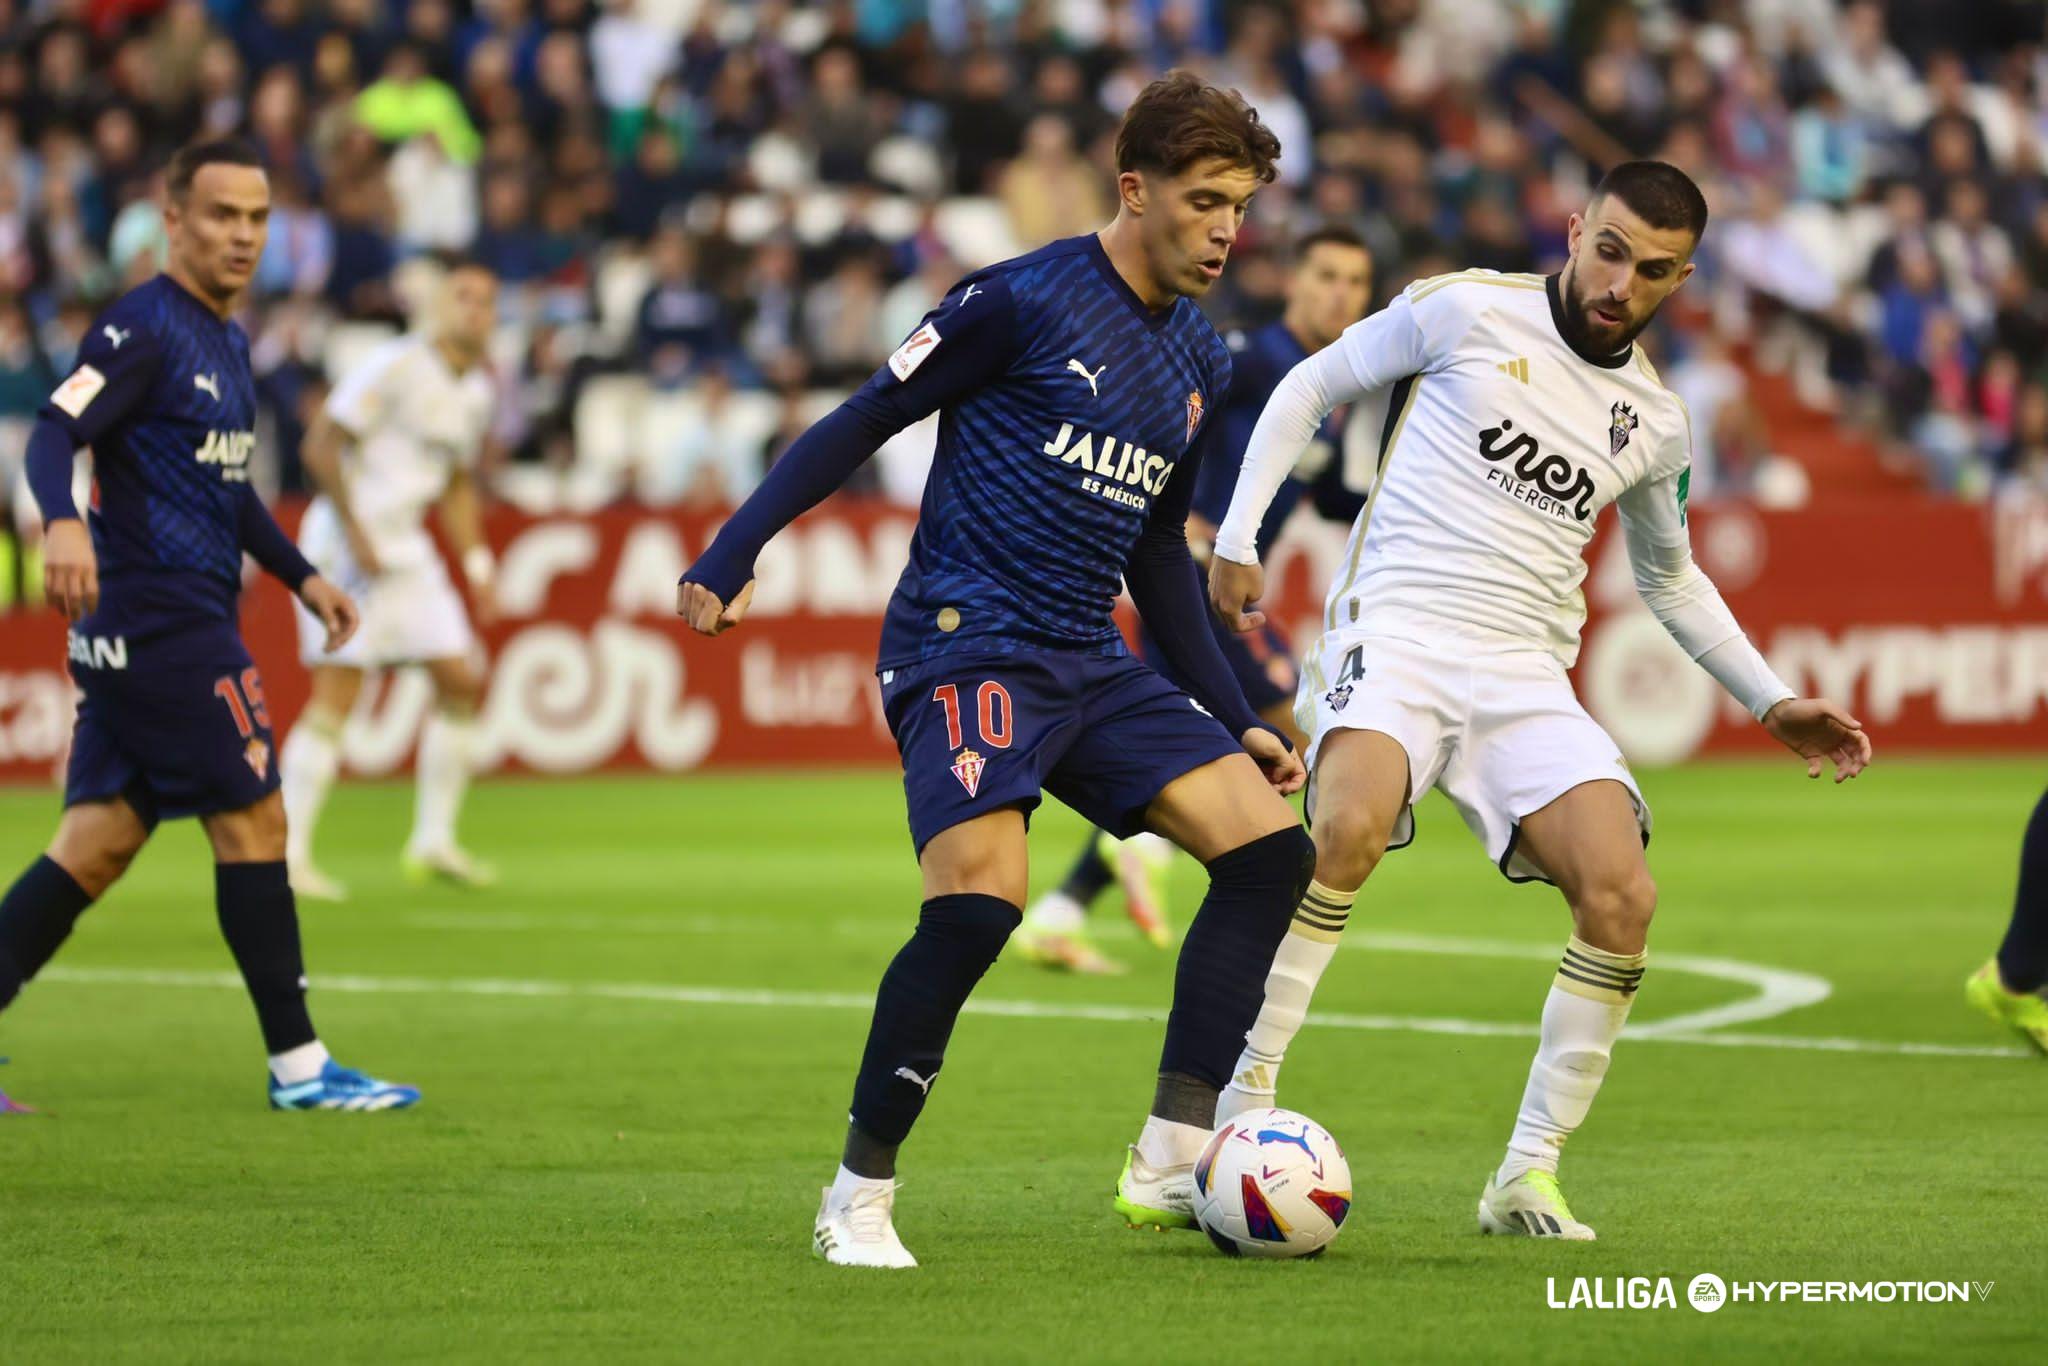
{"points": [[77, 392], [915, 348]]}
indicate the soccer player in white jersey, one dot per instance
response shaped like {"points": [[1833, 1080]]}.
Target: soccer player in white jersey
{"points": [[401, 432], [1517, 407]]}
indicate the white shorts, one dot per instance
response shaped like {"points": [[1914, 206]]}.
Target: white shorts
{"points": [[410, 614], [1501, 733]]}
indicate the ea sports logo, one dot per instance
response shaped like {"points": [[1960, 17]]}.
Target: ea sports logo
{"points": [[1707, 1292]]}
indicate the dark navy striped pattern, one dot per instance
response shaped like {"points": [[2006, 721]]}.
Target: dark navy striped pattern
{"points": [[171, 435], [1017, 548]]}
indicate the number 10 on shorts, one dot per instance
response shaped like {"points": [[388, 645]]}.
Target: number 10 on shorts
{"points": [[993, 721]]}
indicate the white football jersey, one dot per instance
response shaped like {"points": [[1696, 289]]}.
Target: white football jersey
{"points": [[1500, 446], [414, 421]]}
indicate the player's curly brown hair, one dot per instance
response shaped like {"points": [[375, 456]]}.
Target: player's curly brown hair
{"points": [[1181, 119]]}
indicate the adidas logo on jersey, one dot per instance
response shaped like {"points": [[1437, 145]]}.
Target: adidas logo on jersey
{"points": [[230, 451], [1116, 462], [1518, 368], [1549, 483]]}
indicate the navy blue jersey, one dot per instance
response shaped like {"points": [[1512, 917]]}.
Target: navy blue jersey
{"points": [[1069, 420], [164, 396], [1068, 408], [1260, 359]]}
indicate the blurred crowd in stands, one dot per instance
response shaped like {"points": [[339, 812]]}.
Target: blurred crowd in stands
{"points": [[713, 218]]}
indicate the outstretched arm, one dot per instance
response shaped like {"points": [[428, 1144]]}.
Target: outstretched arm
{"points": [[962, 344], [1684, 599], [1370, 355]]}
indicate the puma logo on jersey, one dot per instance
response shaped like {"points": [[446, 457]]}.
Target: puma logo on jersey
{"points": [[230, 451], [1117, 462], [1082, 371], [116, 335], [210, 383], [969, 292], [1549, 483]]}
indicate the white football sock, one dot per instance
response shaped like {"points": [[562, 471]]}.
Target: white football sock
{"points": [[1165, 1143], [306, 769], [1299, 964], [846, 1185], [1056, 913], [296, 1065], [1582, 1017], [446, 743]]}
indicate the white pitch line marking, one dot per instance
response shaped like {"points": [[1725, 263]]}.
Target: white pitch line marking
{"points": [[1778, 990], [1034, 1010]]}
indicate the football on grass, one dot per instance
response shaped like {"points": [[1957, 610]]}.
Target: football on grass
{"points": [[1272, 1183]]}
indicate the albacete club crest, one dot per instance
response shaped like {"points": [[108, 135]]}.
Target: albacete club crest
{"points": [[1624, 422], [1194, 412], [967, 766], [1338, 696]]}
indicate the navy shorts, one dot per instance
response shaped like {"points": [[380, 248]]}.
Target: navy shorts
{"points": [[1254, 659], [981, 733], [176, 724]]}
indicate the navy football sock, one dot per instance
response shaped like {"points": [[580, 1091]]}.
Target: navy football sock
{"points": [[1090, 875], [957, 938], [1220, 981], [36, 916], [2023, 957], [260, 921]]}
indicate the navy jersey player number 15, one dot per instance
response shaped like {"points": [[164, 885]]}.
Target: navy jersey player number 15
{"points": [[172, 719]]}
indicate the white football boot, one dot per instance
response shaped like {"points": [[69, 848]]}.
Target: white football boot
{"points": [[446, 864], [1155, 1197], [309, 882], [1531, 1205], [858, 1231]]}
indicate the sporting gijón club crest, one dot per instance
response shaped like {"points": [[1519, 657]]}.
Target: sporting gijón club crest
{"points": [[967, 766]]}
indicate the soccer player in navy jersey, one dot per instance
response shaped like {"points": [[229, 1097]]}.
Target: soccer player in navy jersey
{"points": [[1327, 291], [172, 720], [1071, 383]]}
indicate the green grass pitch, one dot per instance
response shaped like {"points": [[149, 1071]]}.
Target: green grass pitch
{"points": [[637, 1056]]}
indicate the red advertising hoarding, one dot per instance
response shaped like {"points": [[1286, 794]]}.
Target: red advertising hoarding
{"points": [[1929, 619]]}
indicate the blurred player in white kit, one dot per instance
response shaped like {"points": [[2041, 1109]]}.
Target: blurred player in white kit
{"points": [[401, 431]]}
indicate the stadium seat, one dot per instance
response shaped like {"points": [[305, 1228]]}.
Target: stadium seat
{"points": [[623, 278], [608, 423], [910, 165], [976, 231], [751, 217]]}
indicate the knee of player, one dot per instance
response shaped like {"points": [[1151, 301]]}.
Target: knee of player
{"points": [[1286, 858], [94, 866], [979, 922], [461, 701], [1619, 907], [256, 835], [1349, 843]]}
